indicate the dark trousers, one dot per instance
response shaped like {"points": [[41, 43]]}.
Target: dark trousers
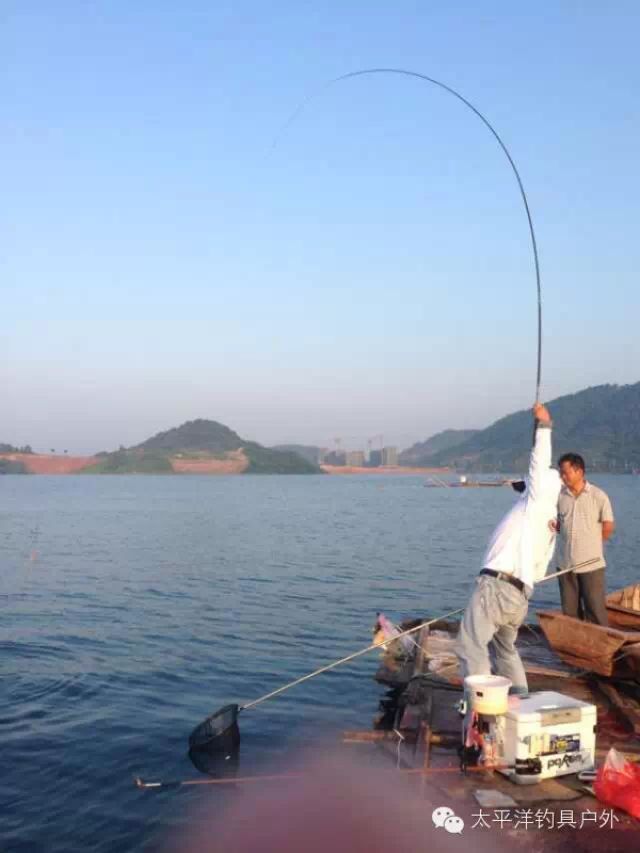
{"points": [[583, 596]]}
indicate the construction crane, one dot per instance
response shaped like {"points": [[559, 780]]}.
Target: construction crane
{"points": [[370, 443]]}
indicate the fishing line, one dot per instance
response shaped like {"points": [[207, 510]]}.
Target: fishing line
{"points": [[416, 75]]}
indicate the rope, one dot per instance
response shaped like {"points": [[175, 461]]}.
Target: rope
{"points": [[401, 71]]}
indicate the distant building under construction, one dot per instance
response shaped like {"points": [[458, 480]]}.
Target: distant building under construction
{"points": [[375, 458], [384, 457], [355, 458], [389, 456]]}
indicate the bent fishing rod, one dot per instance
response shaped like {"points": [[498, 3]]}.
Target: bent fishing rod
{"points": [[222, 722], [450, 90]]}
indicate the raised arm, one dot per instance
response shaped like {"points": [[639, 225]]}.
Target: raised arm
{"points": [[540, 460]]}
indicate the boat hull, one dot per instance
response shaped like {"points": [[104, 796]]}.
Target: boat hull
{"points": [[595, 648], [623, 608]]}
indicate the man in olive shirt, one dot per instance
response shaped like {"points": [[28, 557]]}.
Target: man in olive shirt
{"points": [[584, 523]]}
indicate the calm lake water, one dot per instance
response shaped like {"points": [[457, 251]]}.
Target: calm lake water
{"points": [[134, 606]]}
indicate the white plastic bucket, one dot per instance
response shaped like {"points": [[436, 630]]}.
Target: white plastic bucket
{"points": [[487, 694]]}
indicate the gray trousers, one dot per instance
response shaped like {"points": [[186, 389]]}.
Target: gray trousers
{"points": [[583, 596], [492, 618]]}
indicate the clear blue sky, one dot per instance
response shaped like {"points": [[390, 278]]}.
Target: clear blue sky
{"points": [[371, 274]]}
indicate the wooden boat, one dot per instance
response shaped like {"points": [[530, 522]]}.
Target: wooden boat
{"points": [[418, 730], [431, 671], [623, 607], [595, 648]]}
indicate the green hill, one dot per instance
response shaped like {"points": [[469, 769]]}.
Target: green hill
{"points": [[265, 460], [131, 462], [422, 452], [199, 435], [202, 438], [601, 423]]}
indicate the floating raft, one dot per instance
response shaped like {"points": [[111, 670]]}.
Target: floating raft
{"points": [[467, 484], [419, 727]]}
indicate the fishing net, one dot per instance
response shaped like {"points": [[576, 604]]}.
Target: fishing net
{"points": [[218, 765], [218, 733]]}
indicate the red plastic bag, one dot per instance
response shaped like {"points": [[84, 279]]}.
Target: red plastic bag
{"points": [[618, 784]]}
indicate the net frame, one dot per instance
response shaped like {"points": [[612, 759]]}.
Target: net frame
{"points": [[219, 732]]}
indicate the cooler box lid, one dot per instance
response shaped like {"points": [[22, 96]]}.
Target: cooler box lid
{"points": [[549, 706]]}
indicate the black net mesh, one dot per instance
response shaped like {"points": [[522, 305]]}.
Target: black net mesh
{"points": [[218, 732], [219, 765]]}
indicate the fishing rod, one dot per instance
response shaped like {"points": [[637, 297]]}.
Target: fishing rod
{"points": [[183, 783], [344, 660], [281, 777], [543, 580], [220, 729], [450, 90], [570, 569]]}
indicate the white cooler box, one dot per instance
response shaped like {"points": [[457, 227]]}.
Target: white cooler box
{"points": [[548, 735]]}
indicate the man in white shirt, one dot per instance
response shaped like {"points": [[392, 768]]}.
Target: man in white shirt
{"points": [[517, 557]]}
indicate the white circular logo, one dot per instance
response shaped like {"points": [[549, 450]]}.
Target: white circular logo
{"points": [[454, 825]]}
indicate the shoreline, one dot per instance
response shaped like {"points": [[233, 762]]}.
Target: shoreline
{"points": [[48, 463], [235, 464], [400, 470]]}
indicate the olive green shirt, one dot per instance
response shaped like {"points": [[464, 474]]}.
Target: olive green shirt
{"points": [[580, 521]]}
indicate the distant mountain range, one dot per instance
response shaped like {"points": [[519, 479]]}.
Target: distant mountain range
{"points": [[601, 423]]}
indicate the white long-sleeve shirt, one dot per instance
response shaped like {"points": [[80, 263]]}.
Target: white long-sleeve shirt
{"points": [[522, 544]]}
